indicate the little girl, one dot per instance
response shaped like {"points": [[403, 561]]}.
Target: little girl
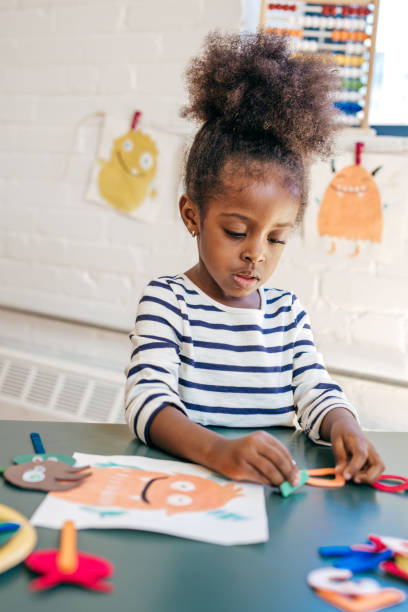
{"points": [[214, 346]]}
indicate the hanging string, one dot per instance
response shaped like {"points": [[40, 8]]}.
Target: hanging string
{"points": [[77, 125]]}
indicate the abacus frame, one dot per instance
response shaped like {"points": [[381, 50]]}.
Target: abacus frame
{"points": [[371, 49]]}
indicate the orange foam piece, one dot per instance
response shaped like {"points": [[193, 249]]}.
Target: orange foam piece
{"points": [[67, 558], [363, 603], [334, 483]]}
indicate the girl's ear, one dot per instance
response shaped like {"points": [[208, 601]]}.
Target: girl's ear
{"points": [[190, 214]]}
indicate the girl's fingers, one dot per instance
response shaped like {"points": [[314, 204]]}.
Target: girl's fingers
{"points": [[371, 471], [268, 469], [254, 475], [276, 461], [340, 454], [359, 455]]}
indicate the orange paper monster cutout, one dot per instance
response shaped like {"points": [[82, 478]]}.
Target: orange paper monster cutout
{"points": [[141, 490], [351, 206]]}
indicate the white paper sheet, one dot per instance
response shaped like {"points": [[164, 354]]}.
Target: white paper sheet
{"points": [[169, 497]]}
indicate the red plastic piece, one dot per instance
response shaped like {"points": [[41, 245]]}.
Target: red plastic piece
{"points": [[393, 568], [69, 565], [391, 488], [89, 573]]}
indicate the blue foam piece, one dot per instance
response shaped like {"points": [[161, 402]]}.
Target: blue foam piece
{"points": [[359, 561], [334, 551], [37, 443]]}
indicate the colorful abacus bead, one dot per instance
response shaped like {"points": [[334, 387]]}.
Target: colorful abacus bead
{"points": [[349, 60], [352, 84], [343, 35], [328, 10], [350, 108], [282, 7]]}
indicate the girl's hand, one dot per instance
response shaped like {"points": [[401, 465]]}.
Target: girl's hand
{"points": [[356, 458], [258, 457]]}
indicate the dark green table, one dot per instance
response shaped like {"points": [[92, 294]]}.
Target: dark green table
{"points": [[159, 573]]}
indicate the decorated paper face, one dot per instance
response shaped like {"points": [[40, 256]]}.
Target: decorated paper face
{"points": [[173, 497], [351, 206], [45, 475], [125, 180], [142, 490]]}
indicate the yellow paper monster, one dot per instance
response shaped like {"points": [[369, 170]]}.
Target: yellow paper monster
{"points": [[125, 180]]}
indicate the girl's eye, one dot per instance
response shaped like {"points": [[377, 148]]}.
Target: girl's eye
{"points": [[276, 241], [234, 234], [242, 235]]}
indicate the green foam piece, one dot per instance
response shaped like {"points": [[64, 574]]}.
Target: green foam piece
{"points": [[56, 456], [286, 488]]}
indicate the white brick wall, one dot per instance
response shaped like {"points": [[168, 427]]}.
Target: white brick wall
{"points": [[61, 60]]}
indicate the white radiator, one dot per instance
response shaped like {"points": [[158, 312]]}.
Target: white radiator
{"points": [[60, 389]]}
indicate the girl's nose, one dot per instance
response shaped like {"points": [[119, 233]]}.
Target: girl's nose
{"points": [[254, 255]]}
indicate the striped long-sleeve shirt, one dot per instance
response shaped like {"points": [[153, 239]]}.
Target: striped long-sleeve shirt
{"points": [[226, 366]]}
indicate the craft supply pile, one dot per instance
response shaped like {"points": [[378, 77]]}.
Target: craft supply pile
{"points": [[179, 499]]}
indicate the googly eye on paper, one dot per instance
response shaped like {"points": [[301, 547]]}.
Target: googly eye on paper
{"points": [[128, 145], [35, 475], [146, 160], [179, 500], [183, 485]]}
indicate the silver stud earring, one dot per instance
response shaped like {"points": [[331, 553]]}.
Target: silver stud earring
{"points": [[193, 233]]}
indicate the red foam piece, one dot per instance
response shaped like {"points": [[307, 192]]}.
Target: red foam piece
{"points": [[393, 568], [391, 488], [89, 572]]}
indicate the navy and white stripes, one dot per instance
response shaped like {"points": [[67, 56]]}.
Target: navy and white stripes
{"points": [[226, 366]]}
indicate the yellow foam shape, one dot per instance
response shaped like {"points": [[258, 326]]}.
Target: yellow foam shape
{"points": [[20, 546]]}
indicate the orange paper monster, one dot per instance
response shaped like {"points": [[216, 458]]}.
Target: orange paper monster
{"points": [[135, 489], [125, 180], [351, 206]]}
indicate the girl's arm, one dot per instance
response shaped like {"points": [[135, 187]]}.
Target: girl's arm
{"points": [[258, 457], [324, 411]]}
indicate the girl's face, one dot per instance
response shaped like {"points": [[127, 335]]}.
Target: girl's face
{"points": [[241, 238]]}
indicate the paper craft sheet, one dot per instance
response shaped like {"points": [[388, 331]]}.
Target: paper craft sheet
{"points": [[171, 497], [136, 170]]}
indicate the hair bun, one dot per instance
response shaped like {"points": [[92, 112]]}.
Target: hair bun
{"points": [[252, 84]]}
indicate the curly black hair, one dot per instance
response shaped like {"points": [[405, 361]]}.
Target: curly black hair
{"points": [[258, 105]]}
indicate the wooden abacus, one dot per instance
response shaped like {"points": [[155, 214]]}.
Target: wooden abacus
{"points": [[343, 29]]}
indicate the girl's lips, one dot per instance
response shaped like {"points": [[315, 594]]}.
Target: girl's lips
{"points": [[245, 281]]}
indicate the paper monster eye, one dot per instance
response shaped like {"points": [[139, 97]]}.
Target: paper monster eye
{"points": [[183, 485], [128, 145], [179, 500], [35, 475], [146, 160]]}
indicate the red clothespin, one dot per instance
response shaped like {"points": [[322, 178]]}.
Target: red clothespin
{"points": [[359, 148], [135, 120]]}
